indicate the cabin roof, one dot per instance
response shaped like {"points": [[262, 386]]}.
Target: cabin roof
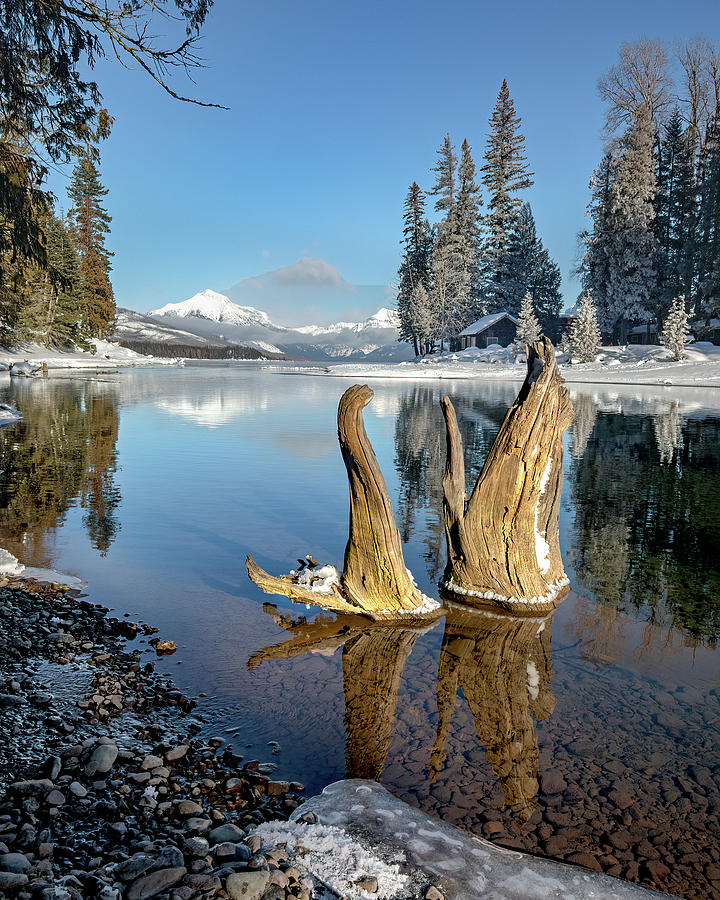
{"points": [[486, 322]]}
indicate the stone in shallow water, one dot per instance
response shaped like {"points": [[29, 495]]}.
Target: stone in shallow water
{"points": [[463, 866]]}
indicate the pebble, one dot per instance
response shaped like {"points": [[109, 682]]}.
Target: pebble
{"points": [[246, 885]]}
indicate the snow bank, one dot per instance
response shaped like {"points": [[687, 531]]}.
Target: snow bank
{"points": [[107, 356], [644, 365]]}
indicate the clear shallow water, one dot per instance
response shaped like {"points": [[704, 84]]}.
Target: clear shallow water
{"points": [[593, 736]]}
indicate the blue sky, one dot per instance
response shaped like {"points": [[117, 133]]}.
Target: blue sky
{"points": [[335, 109]]}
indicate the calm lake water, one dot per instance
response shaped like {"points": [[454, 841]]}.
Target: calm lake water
{"points": [[592, 735]]}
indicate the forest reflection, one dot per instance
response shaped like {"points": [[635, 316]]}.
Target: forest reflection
{"points": [[61, 454], [642, 484]]}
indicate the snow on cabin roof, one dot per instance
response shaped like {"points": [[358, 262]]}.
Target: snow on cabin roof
{"points": [[486, 322]]}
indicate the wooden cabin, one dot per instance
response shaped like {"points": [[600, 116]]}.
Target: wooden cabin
{"points": [[496, 328]]}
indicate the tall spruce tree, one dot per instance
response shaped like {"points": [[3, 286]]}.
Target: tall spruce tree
{"points": [[595, 266], [91, 222], [528, 329], [632, 278], [676, 329], [675, 214], [708, 229], [505, 173], [532, 270], [584, 337], [415, 266], [467, 221], [445, 172]]}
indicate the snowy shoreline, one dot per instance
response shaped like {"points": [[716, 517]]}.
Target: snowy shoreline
{"points": [[648, 366], [107, 356]]}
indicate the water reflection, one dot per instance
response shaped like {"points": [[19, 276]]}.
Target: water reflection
{"points": [[646, 494], [63, 452], [373, 661], [503, 667], [643, 482]]}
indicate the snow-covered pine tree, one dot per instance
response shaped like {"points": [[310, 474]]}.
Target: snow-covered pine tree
{"points": [[415, 265], [632, 278], [420, 318], [449, 290], [528, 329], [676, 329], [584, 336], [504, 174]]}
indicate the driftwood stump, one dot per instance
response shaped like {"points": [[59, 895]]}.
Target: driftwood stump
{"points": [[503, 544], [375, 581], [502, 665]]}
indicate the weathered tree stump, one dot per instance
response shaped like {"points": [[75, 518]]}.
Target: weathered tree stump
{"points": [[375, 581], [503, 665], [503, 544]]}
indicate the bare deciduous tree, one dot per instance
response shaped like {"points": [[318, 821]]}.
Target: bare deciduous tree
{"points": [[639, 80]]}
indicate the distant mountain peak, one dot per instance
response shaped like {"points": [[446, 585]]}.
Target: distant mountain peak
{"points": [[216, 307]]}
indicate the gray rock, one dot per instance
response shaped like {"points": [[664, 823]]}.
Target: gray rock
{"points": [[196, 846], [55, 798], [77, 790], [32, 788], [247, 885], [134, 867], [151, 762], [102, 759], [227, 832], [176, 753], [197, 825], [168, 857], [155, 883], [188, 808], [11, 880], [14, 862]]}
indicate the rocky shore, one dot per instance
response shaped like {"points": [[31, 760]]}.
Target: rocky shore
{"points": [[107, 790]]}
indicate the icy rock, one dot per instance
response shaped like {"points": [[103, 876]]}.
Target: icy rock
{"points": [[359, 821], [227, 832]]}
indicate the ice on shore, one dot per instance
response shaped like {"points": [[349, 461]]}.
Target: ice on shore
{"points": [[359, 829], [8, 415], [9, 566]]}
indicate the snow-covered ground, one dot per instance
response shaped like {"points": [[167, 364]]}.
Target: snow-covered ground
{"points": [[613, 365], [8, 415], [107, 356]]}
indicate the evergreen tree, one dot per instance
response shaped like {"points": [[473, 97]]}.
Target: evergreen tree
{"points": [[675, 221], [63, 319], [444, 187], [595, 267], [708, 230], [467, 219], [528, 330], [420, 318], [585, 333], [676, 329], [91, 222], [504, 174], [632, 277], [533, 270], [415, 266]]}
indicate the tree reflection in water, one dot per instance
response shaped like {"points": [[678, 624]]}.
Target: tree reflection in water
{"points": [[63, 451]]}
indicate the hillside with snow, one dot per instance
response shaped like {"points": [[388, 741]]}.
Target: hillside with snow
{"points": [[215, 318]]}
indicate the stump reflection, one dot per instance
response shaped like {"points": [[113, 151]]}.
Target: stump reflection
{"points": [[503, 666], [374, 658]]}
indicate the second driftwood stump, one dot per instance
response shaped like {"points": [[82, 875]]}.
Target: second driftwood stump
{"points": [[503, 543], [375, 581]]}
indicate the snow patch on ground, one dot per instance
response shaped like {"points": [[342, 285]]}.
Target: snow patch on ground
{"points": [[336, 859]]}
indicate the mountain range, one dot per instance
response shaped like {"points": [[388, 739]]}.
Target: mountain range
{"points": [[211, 322]]}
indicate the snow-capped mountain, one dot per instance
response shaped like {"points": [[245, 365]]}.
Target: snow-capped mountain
{"points": [[218, 308], [215, 317]]}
